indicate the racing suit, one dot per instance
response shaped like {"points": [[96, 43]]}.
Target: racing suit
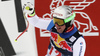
{"points": [[69, 43]]}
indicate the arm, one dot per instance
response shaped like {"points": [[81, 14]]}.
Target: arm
{"points": [[42, 23], [79, 47]]}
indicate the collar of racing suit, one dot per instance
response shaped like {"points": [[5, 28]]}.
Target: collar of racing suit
{"points": [[69, 32], [70, 29]]}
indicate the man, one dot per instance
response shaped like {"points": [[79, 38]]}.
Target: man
{"points": [[65, 38]]}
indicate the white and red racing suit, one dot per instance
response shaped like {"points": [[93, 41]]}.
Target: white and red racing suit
{"points": [[69, 43]]}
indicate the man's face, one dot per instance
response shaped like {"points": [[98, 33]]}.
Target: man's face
{"points": [[60, 29]]}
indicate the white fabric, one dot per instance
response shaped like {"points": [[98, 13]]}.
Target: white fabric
{"points": [[79, 47], [39, 22]]}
